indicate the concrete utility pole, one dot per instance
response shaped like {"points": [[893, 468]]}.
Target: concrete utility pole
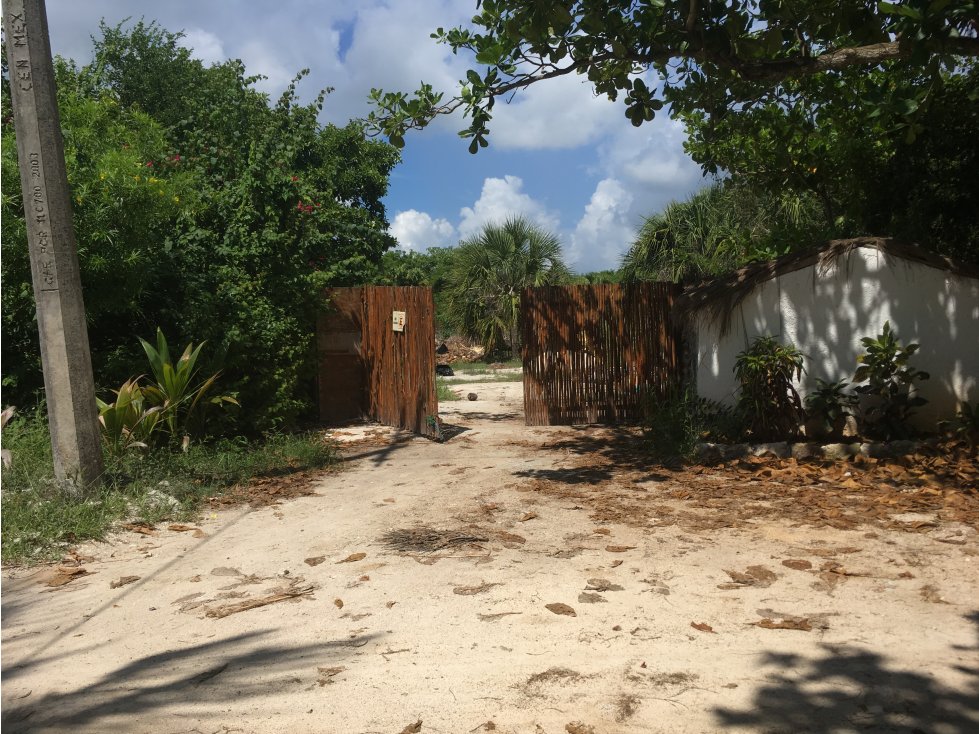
{"points": [[68, 383]]}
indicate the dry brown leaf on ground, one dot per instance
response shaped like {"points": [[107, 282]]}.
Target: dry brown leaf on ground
{"points": [[314, 561], [353, 557], [619, 548], [797, 564], [143, 528], [838, 569], [616, 564], [528, 516], [509, 539], [586, 597], [759, 576], [473, 590], [63, 575], [559, 608], [178, 527], [800, 624], [413, 728], [74, 558], [123, 581], [602, 531], [703, 627], [602, 585], [327, 674], [827, 552]]}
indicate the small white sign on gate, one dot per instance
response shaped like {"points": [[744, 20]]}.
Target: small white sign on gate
{"points": [[398, 322]]}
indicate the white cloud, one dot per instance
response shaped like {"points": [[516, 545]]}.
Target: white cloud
{"points": [[652, 157], [263, 57], [392, 49], [560, 113], [605, 230], [643, 170], [417, 231], [204, 46], [502, 198]]}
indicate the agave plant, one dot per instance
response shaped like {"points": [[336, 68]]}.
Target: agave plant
{"points": [[127, 422], [176, 391]]}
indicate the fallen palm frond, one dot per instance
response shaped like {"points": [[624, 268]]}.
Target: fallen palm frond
{"points": [[426, 540], [292, 591]]}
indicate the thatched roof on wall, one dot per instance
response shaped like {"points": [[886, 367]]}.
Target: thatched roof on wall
{"points": [[714, 300]]}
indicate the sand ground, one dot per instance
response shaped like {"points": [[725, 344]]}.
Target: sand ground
{"points": [[445, 584]]}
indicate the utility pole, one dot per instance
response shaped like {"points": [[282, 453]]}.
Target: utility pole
{"points": [[68, 383]]}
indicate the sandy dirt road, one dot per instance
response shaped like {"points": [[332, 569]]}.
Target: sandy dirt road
{"points": [[503, 581]]}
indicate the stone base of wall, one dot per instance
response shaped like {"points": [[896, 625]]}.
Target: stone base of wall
{"points": [[709, 453]]}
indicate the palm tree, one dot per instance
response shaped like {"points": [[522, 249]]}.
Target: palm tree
{"points": [[721, 228], [488, 272]]}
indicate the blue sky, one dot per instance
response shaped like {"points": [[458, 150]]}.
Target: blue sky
{"points": [[558, 155]]}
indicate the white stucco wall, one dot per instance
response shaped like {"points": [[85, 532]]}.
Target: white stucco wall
{"points": [[826, 313]]}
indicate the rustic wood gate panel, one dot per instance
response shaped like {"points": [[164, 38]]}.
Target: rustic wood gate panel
{"points": [[341, 374], [596, 353], [367, 370], [401, 364]]}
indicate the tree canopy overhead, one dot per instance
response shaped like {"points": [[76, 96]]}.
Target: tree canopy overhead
{"points": [[712, 55]]}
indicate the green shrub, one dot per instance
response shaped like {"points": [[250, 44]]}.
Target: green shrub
{"points": [[829, 405], [767, 400], [676, 423], [965, 426], [887, 404]]}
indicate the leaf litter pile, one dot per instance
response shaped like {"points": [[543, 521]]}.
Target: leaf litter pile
{"points": [[929, 488], [267, 491]]}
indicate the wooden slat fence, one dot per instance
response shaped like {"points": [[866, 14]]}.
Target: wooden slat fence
{"points": [[597, 353], [367, 369]]}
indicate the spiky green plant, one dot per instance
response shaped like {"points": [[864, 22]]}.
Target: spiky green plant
{"points": [[176, 391], [127, 422]]}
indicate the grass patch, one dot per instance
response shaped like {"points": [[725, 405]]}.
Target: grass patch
{"points": [[482, 368], [444, 392], [486, 377], [39, 519]]}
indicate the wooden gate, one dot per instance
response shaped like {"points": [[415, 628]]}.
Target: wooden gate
{"points": [[596, 353], [371, 367]]}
